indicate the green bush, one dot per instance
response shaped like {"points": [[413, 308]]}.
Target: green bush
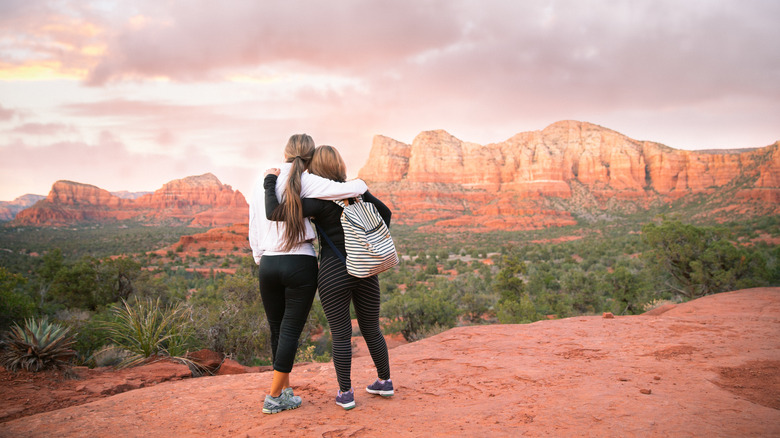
{"points": [[418, 311], [146, 328], [519, 311], [697, 261], [38, 345], [232, 318], [17, 305]]}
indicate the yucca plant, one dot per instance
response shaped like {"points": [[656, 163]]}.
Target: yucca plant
{"points": [[146, 328], [39, 345]]}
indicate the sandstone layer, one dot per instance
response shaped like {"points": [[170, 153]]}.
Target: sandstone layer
{"points": [[568, 172], [201, 201], [538, 179], [9, 209], [710, 367]]}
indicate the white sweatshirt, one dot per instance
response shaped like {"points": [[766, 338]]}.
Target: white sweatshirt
{"points": [[266, 237]]}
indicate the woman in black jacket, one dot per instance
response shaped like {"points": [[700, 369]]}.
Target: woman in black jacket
{"points": [[337, 288]]}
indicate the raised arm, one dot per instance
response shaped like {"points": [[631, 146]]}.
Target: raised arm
{"points": [[269, 184]]}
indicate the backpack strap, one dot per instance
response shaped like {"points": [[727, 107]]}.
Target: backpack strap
{"points": [[343, 203], [330, 242]]}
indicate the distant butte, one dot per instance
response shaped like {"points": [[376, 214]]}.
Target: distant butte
{"points": [[545, 178], [201, 201]]}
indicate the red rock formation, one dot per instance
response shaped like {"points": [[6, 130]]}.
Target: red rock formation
{"points": [[218, 241], [515, 184], [201, 201], [71, 202], [9, 209], [532, 180]]}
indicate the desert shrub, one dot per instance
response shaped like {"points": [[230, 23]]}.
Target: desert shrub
{"points": [[232, 318], [38, 345], [90, 334], [695, 261], [312, 352], [514, 305], [584, 290], [518, 311], [17, 305], [629, 291], [146, 328], [474, 298], [418, 311]]}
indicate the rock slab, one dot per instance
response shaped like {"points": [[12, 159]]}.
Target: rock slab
{"points": [[710, 367]]}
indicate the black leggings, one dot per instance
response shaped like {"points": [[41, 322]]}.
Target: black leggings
{"points": [[337, 288], [287, 285]]}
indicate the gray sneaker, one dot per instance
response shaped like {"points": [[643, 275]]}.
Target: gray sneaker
{"points": [[384, 389], [285, 401]]}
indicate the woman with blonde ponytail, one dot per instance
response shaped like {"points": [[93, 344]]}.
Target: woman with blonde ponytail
{"points": [[286, 258]]}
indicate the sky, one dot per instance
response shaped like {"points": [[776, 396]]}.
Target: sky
{"points": [[129, 95]]}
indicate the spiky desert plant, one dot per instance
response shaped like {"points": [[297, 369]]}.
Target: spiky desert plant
{"points": [[39, 345], [146, 328]]}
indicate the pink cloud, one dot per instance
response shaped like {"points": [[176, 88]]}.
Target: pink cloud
{"points": [[7, 114], [483, 70], [107, 164], [194, 43], [43, 129]]}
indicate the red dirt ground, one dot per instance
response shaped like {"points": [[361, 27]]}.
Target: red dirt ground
{"points": [[710, 367]]}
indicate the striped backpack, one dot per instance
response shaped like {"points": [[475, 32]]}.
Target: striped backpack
{"points": [[370, 248]]}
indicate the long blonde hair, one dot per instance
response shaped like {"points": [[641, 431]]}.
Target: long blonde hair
{"points": [[327, 163], [299, 152]]}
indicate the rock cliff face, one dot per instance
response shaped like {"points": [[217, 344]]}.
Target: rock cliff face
{"points": [[203, 199], [197, 201], [566, 172], [538, 179], [9, 209]]}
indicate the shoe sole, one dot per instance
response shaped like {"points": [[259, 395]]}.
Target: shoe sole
{"points": [[382, 393], [276, 411], [346, 406]]}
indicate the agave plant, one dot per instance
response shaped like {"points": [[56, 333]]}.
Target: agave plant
{"points": [[38, 345]]}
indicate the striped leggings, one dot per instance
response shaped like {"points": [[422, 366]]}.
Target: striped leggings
{"points": [[337, 288]]}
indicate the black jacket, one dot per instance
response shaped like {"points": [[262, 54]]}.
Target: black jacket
{"points": [[326, 214]]}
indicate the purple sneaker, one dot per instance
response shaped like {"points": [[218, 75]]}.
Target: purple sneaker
{"points": [[384, 389], [346, 399]]}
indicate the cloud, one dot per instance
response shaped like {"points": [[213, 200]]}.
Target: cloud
{"points": [[173, 80], [197, 42], [498, 53], [106, 163], [43, 129], [43, 40], [7, 114]]}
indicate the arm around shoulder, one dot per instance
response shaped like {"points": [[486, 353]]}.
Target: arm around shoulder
{"points": [[269, 184], [314, 186]]}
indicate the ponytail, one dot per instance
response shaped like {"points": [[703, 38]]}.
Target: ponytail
{"points": [[299, 151]]}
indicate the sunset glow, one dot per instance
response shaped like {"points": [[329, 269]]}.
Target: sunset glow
{"points": [[131, 95]]}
